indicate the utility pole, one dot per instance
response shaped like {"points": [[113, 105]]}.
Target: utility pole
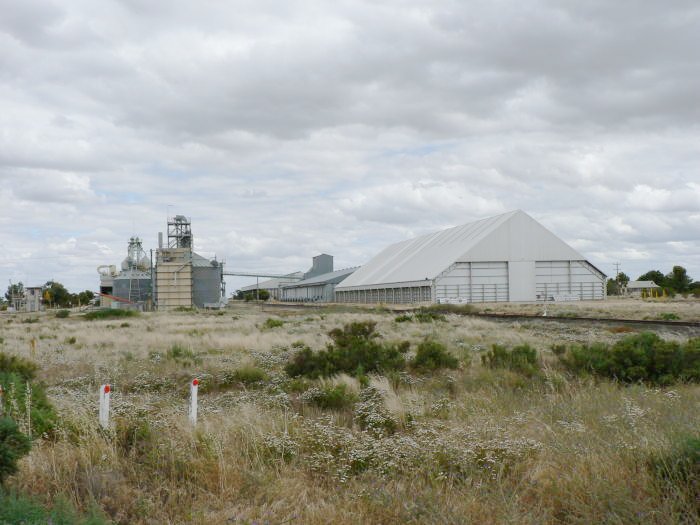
{"points": [[617, 278], [617, 271]]}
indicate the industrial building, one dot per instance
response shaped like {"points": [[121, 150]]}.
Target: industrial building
{"points": [[320, 288], [29, 299], [180, 278], [274, 286], [506, 258], [184, 278], [321, 265]]}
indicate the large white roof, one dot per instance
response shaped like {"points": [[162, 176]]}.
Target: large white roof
{"points": [[513, 236]]}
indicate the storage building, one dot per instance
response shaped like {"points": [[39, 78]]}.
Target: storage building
{"points": [[316, 289], [506, 258]]}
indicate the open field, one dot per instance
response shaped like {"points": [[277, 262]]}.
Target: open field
{"points": [[615, 308], [472, 444]]}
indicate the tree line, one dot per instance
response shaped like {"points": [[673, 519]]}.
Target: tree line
{"points": [[677, 281], [54, 295]]}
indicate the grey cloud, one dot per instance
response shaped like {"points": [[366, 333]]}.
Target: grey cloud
{"points": [[290, 128]]}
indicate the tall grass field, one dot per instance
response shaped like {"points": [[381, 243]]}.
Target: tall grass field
{"points": [[335, 415]]}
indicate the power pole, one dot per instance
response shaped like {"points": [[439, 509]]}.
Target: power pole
{"points": [[617, 278]]}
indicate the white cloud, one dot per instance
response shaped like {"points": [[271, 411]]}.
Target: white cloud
{"points": [[289, 128]]}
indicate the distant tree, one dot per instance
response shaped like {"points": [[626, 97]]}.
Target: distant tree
{"points": [[86, 296], [14, 289], [622, 279], [252, 295], [653, 275], [612, 287], [56, 294], [679, 280]]}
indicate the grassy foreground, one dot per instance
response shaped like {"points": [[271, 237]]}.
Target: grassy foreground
{"points": [[471, 444]]}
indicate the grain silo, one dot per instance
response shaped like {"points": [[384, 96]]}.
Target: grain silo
{"points": [[183, 278]]}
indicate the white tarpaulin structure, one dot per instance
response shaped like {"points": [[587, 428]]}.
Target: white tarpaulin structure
{"points": [[510, 257]]}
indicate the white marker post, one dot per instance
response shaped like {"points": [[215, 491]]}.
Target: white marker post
{"points": [[194, 386], [104, 406]]}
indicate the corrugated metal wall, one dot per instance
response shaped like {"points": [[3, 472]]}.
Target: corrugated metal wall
{"points": [[473, 282], [207, 285], [394, 295], [573, 279]]}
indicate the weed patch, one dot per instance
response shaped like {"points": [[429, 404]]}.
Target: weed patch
{"points": [[23, 396], [271, 323], [643, 357], [432, 355], [522, 359], [355, 351], [62, 314], [334, 397], [110, 313]]}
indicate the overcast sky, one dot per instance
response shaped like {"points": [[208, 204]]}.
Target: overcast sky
{"points": [[289, 128]]}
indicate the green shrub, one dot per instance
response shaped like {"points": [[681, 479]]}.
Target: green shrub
{"points": [[24, 510], [271, 323], [669, 317], [110, 313], [71, 340], [334, 397], [459, 309], [182, 355], [355, 350], [13, 445], [522, 359], [404, 318], [62, 314], [30, 320], [186, 309], [15, 374], [428, 316], [641, 357], [247, 375], [432, 355]]}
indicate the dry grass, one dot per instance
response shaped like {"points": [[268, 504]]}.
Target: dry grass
{"points": [[471, 445], [686, 309]]}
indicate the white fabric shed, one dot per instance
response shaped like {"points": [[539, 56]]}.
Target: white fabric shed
{"points": [[509, 257]]}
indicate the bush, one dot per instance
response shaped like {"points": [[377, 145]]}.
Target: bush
{"points": [[247, 375], [642, 357], [15, 374], [669, 317], [459, 309], [21, 509], [331, 396], [62, 314], [110, 313], [428, 316], [432, 355], [13, 445], [354, 351], [182, 355], [273, 323], [522, 359], [404, 318]]}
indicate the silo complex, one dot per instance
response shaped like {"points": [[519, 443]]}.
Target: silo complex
{"points": [[181, 278]]}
